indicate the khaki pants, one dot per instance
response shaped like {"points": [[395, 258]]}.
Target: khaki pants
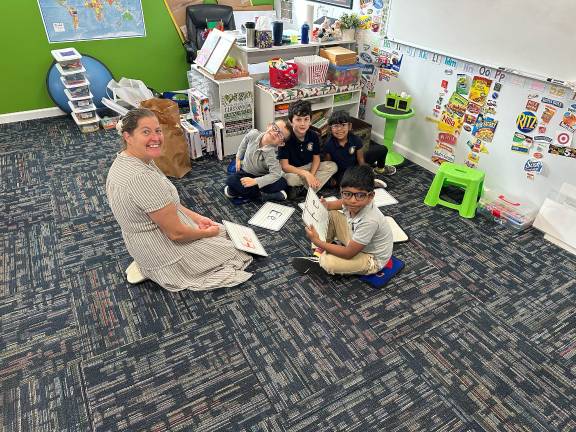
{"points": [[325, 171], [362, 263]]}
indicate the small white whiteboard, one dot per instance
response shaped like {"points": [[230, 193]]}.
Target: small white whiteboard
{"points": [[244, 238], [271, 216], [383, 198], [315, 214]]}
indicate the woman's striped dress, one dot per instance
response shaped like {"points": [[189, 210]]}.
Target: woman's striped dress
{"points": [[135, 189]]}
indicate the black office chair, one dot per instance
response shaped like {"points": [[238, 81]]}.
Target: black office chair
{"points": [[197, 17]]}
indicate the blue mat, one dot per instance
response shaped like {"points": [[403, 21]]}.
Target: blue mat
{"points": [[378, 280]]}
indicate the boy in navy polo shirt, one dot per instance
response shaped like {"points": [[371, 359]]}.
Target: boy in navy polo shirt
{"points": [[345, 148], [300, 157]]}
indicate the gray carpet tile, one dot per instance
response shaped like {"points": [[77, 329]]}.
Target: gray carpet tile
{"points": [[477, 333]]}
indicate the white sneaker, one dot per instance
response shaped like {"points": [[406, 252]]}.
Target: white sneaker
{"points": [[380, 184], [133, 274]]}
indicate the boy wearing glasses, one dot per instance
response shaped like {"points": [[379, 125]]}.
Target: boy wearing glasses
{"points": [[345, 148], [258, 173], [300, 157], [362, 229]]}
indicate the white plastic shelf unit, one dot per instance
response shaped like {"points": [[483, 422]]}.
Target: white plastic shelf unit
{"points": [[231, 102], [269, 101]]}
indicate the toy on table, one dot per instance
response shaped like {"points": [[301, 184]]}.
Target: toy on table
{"points": [[400, 102], [327, 32]]}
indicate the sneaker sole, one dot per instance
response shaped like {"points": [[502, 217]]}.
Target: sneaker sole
{"points": [[306, 267]]}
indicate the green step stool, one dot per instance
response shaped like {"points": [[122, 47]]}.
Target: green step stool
{"points": [[469, 179]]}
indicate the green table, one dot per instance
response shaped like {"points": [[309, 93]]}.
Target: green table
{"points": [[392, 116]]}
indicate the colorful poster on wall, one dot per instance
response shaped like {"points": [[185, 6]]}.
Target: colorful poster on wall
{"points": [[83, 20]]}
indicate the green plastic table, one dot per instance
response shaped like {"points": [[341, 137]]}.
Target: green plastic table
{"points": [[392, 116]]}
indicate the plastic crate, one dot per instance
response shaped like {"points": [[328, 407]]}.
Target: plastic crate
{"points": [[284, 78], [344, 75]]}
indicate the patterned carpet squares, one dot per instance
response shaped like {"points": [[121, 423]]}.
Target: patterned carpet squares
{"points": [[477, 333]]}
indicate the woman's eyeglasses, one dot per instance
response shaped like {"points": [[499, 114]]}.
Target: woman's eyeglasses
{"points": [[360, 196]]}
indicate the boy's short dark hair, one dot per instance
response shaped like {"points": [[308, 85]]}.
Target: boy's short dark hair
{"points": [[339, 117], [358, 177], [300, 108]]}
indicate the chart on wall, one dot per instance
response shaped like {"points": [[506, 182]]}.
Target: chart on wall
{"points": [[81, 20]]}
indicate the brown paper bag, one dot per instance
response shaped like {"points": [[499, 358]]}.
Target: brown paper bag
{"points": [[174, 160]]}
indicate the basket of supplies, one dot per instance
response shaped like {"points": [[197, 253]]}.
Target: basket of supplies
{"points": [[312, 69], [283, 75]]}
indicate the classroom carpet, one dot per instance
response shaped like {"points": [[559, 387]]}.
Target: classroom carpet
{"points": [[477, 333]]}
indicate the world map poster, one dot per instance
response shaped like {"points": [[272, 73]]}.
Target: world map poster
{"points": [[81, 20]]}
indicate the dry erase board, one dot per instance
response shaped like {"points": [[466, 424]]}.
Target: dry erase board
{"points": [[530, 36]]}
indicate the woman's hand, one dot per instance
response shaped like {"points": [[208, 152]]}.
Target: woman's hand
{"points": [[313, 235], [211, 231], [248, 182], [203, 222]]}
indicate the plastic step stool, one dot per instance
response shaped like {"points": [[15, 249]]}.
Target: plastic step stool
{"points": [[469, 179]]}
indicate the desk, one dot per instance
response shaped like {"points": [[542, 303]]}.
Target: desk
{"points": [[287, 52], [392, 116]]}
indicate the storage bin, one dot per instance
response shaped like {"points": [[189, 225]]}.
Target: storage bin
{"points": [[344, 75], [81, 102], [74, 78], [79, 91], [86, 113], [284, 78], [67, 58], [86, 126], [312, 69], [506, 209]]}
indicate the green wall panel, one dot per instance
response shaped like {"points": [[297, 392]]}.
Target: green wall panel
{"points": [[157, 59]]}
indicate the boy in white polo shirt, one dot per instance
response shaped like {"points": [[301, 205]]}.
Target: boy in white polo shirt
{"points": [[362, 229]]}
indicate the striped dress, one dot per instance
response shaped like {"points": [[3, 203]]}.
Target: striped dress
{"points": [[134, 189]]}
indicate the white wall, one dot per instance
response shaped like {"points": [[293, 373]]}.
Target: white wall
{"points": [[416, 137]]}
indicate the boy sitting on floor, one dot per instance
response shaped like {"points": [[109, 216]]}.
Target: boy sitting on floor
{"points": [[362, 229], [258, 173], [300, 157], [345, 148]]}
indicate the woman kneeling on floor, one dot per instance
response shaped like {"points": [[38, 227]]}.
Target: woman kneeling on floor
{"points": [[170, 244]]}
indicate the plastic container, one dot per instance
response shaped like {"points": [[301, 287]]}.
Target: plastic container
{"points": [[68, 59], [312, 69], [77, 91], [70, 71], [86, 126], [81, 102], [85, 113], [507, 210], [344, 75]]}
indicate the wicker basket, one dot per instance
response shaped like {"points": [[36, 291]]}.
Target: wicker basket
{"points": [[312, 69]]}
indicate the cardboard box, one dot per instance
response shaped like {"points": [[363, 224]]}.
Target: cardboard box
{"points": [[338, 55]]}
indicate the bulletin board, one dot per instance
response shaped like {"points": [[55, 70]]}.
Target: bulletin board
{"points": [[533, 37]]}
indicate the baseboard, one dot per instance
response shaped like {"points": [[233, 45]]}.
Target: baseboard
{"points": [[31, 115], [409, 154]]}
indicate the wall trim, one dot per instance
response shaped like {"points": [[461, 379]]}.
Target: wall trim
{"points": [[31, 115], [408, 153]]}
